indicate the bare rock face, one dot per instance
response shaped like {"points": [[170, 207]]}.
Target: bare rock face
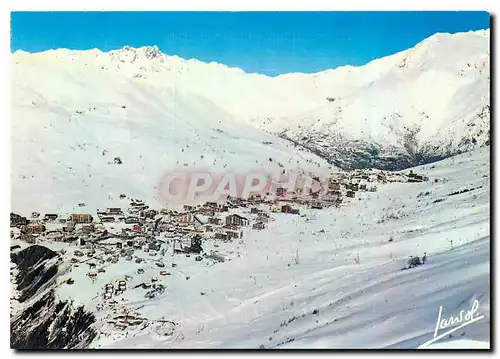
{"points": [[44, 322]]}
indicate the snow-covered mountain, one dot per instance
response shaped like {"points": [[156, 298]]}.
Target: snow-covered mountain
{"points": [[422, 104], [74, 111]]}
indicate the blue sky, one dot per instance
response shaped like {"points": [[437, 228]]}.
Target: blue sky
{"points": [[266, 42]]}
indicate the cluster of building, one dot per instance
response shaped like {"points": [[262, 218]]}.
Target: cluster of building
{"points": [[140, 233], [223, 221]]}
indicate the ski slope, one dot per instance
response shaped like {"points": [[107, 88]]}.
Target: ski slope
{"points": [[66, 133], [73, 112]]}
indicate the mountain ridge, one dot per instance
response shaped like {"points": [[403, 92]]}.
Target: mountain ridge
{"points": [[156, 51]]}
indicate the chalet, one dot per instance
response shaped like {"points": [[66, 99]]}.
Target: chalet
{"points": [[214, 220], [417, 178], [258, 226], [185, 218], [17, 220], [164, 227], [222, 236], [81, 218], [198, 221], [255, 210], [113, 211], [332, 199], [212, 204], [155, 246], [150, 213], [334, 185], [234, 234], [50, 217], [87, 228], [36, 228], [350, 194], [178, 247], [263, 219], [362, 187], [281, 192], [131, 220], [188, 207], [334, 193], [255, 198], [316, 205], [237, 220], [191, 230], [108, 219], [286, 208], [263, 214]]}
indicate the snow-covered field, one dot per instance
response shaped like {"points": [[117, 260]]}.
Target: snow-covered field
{"points": [[296, 284]]}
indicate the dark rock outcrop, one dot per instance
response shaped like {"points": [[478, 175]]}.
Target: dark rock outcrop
{"points": [[51, 324], [45, 322]]}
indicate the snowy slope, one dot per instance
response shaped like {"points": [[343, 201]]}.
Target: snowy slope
{"points": [[259, 299], [69, 122], [296, 284]]}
